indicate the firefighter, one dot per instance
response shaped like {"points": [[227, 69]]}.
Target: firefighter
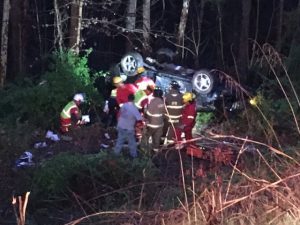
{"points": [[70, 116], [154, 120], [143, 95], [174, 105], [111, 109], [188, 119], [123, 90]]}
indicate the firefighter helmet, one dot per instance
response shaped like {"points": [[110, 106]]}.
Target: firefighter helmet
{"points": [[188, 96], [117, 80], [140, 69], [175, 85], [157, 92], [78, 97]]}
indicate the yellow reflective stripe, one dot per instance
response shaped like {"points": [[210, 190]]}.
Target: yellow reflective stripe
{"points": [[114, 93], [190, 117], [153, 115], [66, 113]]}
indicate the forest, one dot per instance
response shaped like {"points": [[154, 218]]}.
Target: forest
{"points": [[247, 166]]}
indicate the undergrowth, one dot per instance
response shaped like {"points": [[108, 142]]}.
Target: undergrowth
{"points": [[39, 102]]}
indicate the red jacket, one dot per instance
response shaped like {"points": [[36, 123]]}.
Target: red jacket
{"points": [[143, 82], [123, 92], [189, 114]]}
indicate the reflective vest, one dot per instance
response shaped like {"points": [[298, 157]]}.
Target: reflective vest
{"points": [[139, 97], [143, 82], [66, 112], [113, 93]]}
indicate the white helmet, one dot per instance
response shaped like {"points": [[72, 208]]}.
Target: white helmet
{"points": [[79, 97]]}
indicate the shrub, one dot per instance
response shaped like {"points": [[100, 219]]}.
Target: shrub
{"points": [[40, 102], [92, 175]]}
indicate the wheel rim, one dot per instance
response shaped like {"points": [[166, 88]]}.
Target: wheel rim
{"points": [[129, 64], [203, 82]]}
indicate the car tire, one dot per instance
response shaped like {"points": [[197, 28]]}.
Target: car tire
{"points": [[130, 62], [202, 82]]}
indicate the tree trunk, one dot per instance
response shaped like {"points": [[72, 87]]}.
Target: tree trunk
{"points": [[130, 23], [75, 25], [221, 33], [198, 29], [58, 23], [146, 26], [182, 25], [243, 56], [293, 61], [15, 44], [279, 26], [4, 41]]}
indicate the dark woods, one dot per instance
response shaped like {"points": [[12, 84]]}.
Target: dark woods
{"points": [[203, 33]]}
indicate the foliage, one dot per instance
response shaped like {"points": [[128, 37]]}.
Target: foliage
{"points": [[203, 118], [40, 102], [87, 175]]}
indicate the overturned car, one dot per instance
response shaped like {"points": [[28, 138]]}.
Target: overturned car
{"points": [[213, 90]]}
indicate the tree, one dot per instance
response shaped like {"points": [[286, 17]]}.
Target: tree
{"points": [[294, 53], [130, 22], [4, 41], [146, 25], [75, 25], [58, 22], [279, 25], [182, 25], [243, 54]]}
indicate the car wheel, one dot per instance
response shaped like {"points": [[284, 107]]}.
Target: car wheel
{"points": [[202, 82], [131, 62]]}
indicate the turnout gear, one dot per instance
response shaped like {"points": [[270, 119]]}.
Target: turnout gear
{"points": [[187, 122], [155, 122], [174, 105], [145, 83], [124, 91], [145, 87]]}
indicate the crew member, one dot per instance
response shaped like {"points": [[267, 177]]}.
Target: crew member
{"points": [[188, 119], [123, 90], [174, 105], [154, 120], [70, 117]]}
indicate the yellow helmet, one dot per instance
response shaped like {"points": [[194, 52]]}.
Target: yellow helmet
{"points": [[140, 70], [188, 96], [117, 80]]}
